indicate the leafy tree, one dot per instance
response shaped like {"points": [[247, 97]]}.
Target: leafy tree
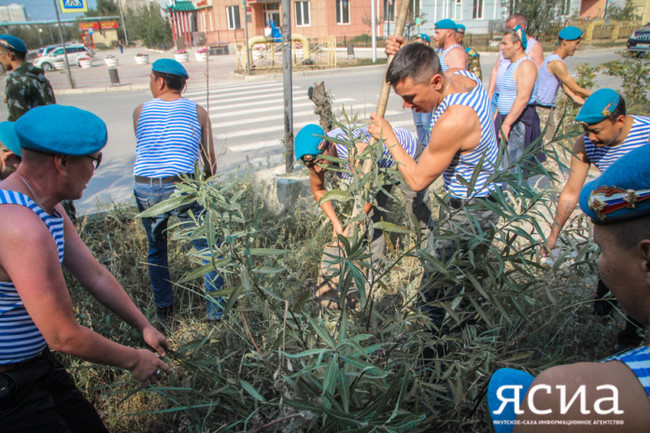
{"points": [[622, 13], [148, 25], [540, 13], [105, 8]]}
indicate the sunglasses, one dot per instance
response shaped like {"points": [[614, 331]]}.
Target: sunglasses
{"points": [[97, 160], [309, 160]]}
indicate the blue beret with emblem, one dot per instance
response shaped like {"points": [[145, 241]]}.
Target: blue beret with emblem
{"points": [[308, 141], [461, 28], [622, 192], [424, 37], [446, 24], [13, 43], [9, 138], [598, 106], [570, 33], [61, 129], [169, 66]]}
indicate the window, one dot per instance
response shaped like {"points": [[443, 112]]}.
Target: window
{"points": [[302, 13], [457, 11], [477, 9], [342, 12], [233, 17], [389, 10]]}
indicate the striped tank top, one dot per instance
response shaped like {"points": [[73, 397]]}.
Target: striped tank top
{"points": [[604, 156], [547, 83], [443, 55], [504, 63], [405, 137], [168, 138], [508, 92], [464, 164], [20, 339], [638, 360]]}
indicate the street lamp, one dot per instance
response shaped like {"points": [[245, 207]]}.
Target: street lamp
{"points": [[40, 39], [390, 7]]}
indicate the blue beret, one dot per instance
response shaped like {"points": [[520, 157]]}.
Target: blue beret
{"points": [[307, 141], [461, 28], [446, 24], [424, 37], [598, 106], [13, 43], [570, 33], [509, 378], [61, 129], [622, 192], [169, 66], [9, 138]]}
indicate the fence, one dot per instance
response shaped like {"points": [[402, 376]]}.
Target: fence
{"points": [[266, 54]]}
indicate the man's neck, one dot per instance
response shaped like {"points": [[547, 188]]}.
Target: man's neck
{"points": [[170, 95], [561, 52], [518, 56], [449, 42]]}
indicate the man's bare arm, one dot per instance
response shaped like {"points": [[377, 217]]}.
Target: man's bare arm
{"points": [[559, 69], [456, 58], [537, 54], [493, 77], [207, 142]]}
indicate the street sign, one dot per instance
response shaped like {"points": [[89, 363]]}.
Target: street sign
{"points": [[73, 6], [91, 31]]}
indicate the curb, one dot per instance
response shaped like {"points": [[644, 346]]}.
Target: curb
{"points": [[109, 89]]}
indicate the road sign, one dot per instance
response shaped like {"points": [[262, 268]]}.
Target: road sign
{"points": [[73, 6]]}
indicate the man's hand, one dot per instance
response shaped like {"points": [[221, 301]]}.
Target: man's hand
{"points": [[379, 128], [393, 44], [156, 340], [549, 246], [148, 367], [505, 131]]}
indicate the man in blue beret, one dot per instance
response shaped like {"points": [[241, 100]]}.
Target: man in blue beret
{"points": [[533, 50], [609, 134], [173, 134], [26, 86], [36, 312], [452, 54], [554, 73], [423, 38], [10, 155], [615, 391], [473, 57], [312, 143]]}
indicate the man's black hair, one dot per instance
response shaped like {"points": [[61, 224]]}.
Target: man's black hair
{"points": [[174, 82], [17, 55], [415, 60]]}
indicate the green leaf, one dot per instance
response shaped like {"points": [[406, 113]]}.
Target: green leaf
{"points": [[166, 206], [249, 389], [390, 227]]}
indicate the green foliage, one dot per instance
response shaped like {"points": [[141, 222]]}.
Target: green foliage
{"points": [[541, 14], [105, 8], [148, 25], [278, 362], [622, 13], [48, 35]]}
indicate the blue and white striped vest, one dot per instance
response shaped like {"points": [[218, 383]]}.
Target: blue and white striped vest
{"points": [[20, 339], [508, 90], [405, 137], [604, 156], [168, 138], [463, 165], [638, 360], [547, 83], [443, 55]]}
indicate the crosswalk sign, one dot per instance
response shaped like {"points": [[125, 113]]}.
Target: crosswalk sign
{"points": [[74, 6]]}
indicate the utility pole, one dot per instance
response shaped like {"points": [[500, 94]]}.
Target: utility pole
{"points": [[65, 53], [248, 51], [373, 25], [288, 85], [126, 37]]}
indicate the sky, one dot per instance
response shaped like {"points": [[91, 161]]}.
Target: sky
{"points": [[42, 10]]}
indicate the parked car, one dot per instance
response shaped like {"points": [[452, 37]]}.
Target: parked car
{"points": [[639, 41], [46, 50], [75, 52]]}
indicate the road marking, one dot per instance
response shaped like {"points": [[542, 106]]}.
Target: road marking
{"points": [[257, 92]]}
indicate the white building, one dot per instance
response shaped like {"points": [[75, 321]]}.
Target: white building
{"points": [[13, 13]]}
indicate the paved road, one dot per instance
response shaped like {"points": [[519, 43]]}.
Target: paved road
{"points": [[247, 118]]}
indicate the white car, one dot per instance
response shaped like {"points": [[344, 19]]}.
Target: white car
{"points": [[75, 52]]}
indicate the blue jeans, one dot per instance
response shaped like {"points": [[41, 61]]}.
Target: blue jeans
{"points": [[423, 127], [156, 229]]}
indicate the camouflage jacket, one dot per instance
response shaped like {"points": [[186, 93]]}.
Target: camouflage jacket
{"points": [[27, 88], [474, 62]]}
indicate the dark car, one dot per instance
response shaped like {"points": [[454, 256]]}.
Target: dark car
{"points": [[639, 41]]}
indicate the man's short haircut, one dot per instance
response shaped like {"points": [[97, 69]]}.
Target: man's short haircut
{"points": [[514, 37], [174, 82], [17, 55], [519, 19], [628, 234], [418, 61]]}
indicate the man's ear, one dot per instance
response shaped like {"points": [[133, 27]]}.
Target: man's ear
{"points": [[61, 162], [436, 81], [10, 160], [644, 248]]}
